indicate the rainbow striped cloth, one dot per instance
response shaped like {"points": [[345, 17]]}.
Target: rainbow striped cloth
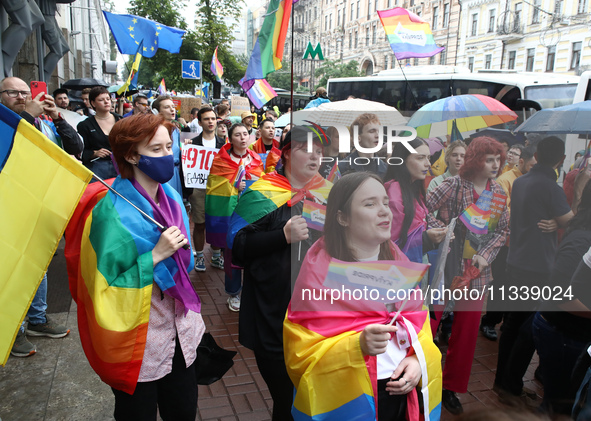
{"points": [[271, 158], [258, 90], [267, 194], [267, 53], [111, 273], [222, 193], [216, 67], [314, 214], [408, 34], [477, 215], [333, 379]]}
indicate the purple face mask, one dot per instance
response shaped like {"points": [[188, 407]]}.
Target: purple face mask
{"points": [[158, 168]]}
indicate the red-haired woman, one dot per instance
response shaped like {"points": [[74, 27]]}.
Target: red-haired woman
{"points": [[138, 314], [484, 158]]}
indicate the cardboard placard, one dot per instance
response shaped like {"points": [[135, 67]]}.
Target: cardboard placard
{"points": [[239, 105], [186, 104]]}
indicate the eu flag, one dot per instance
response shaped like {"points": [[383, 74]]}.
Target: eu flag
{"points": [[130, 30]]}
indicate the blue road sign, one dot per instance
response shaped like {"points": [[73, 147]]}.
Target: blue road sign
{"points": [[191, 69]]}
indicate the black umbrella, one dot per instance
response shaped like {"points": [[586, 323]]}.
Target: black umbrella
{"points": [[572, 118], [85, 82]]}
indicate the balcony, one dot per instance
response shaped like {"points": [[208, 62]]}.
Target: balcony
{"points": [[510, 31], [299, 26]]}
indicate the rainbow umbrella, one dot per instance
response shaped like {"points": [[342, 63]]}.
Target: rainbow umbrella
{"points": [[468, 112]]}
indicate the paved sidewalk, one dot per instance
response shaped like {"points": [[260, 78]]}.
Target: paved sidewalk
{"points": [[58, 384]]}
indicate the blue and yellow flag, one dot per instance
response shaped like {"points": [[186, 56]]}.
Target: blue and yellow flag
{"points": [[41, 185], [131, 82], [129, 30]]}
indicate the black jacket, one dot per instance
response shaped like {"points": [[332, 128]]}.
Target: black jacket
{"points": [[94, 137]]}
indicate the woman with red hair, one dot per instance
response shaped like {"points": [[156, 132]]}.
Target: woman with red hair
{"points": [[473, 189]]}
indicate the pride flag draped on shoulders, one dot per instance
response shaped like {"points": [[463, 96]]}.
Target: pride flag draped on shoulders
{"points": [[408, 34], [40, 185], [267, 194], [222, 193], [332, 377], [273, 155], [111, 272]]}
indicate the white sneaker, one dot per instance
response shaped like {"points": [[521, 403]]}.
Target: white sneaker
{"points": [[234, 303]]}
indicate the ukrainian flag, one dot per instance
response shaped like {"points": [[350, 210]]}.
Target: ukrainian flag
{"points": [[40, 186]]}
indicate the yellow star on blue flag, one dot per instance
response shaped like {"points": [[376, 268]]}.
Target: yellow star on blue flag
{"points": [[129, 30]]}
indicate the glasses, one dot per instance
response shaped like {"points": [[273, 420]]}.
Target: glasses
{"points": [[145, 104], [518, 155], [14, 94]]}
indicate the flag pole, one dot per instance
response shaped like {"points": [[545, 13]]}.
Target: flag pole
{"points": [[407, 83], [292, 43]]}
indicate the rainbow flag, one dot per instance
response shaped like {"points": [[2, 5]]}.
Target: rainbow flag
{"points": [[222, 192], [408, 34], [111, 273], [477, 215], [258, 90], [162, 88], [268, 193], [216, 67], [333, 379], [268, 50], [40, 185], [381, 276], [335, 174], [314, 214]]}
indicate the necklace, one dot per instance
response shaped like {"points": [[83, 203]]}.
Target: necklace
{"points": [[238, 156], [102, 118]]}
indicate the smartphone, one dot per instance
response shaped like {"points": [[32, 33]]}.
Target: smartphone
{"points": [[36, 87], [278, 133]]}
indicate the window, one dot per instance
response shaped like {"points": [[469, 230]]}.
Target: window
{"points": [[415, 62], [389, 4], [367, 36], [326, 23], [535, 15], [443, 56], [352, 11], [368, 8], [358, 8], [339, 18], [581, 8], [374, 35], [471, 63], [432, 60], [376, 5], [576, 57], [446, 15], [356, 38], [529, 63], [511, 64], [491, 20], [330, 22], [435, 17], [350, 40], [551, 58], [487, 61], [474, 24], [517, 21], [557, 7]]}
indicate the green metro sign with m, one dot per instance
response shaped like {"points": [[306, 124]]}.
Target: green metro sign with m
{"points": [[316, 51]]}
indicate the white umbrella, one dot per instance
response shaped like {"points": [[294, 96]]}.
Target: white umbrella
{"points": [[344, 113]]}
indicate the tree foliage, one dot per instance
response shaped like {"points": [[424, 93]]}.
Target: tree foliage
{"points": [[199, 44], [335, 68], [281, 78]]}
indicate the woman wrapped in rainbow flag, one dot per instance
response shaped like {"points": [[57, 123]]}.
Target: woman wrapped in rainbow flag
{"points": [[346, 357]]}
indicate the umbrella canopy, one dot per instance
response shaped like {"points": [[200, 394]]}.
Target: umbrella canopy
{"points": [[85, 82], [115, 88], [345, 112], [470, 112], [574, 118]]}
